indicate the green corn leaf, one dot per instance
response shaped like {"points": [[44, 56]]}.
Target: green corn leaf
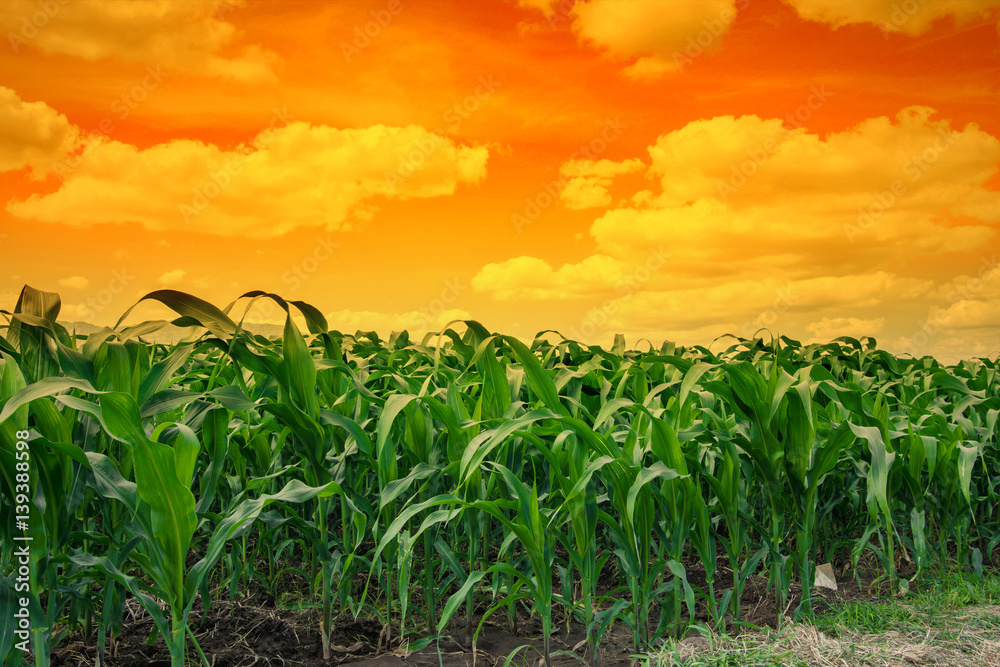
{"points": [[881, 462], [192, 307], [301, 368], [158, 485]]}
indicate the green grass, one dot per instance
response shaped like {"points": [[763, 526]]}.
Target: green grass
{"points": [[867, 617], [935, 605], [955, 621], [954, 591], [728, 654]]}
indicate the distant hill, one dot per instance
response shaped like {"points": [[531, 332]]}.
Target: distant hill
{"points": [[171, 334]]}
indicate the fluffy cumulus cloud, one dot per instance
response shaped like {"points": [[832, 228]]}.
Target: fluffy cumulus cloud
{"points": [[767, 226], [911, 17], [910, 180], [32, 134], [587, 181], [417, 322], [964, 318], [654, 35], [828, 328], [532, 278], [745, 304], [179, 35], [296, 175], [973, 301]]}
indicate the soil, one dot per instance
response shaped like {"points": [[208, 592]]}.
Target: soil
{"points": [[254, 632]]}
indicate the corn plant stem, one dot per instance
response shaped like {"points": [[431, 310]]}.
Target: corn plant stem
{"points": [[325, 584], [429, 588], [890, 553], [547, 631], [177, 644], [470, 597]]}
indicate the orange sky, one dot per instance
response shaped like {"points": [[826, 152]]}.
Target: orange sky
{"points": [[668, 169]]}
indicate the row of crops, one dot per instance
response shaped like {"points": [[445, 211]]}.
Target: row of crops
{"points": [[466, 477]]}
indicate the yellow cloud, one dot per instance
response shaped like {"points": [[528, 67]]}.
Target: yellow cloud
{"points": [[778, 228], [531, 278], [416, 322], [294, 176], [973, 301], [913, 17], [588, 181], [179, 35], [748, 299], [32, 134], [75, 282], [743, 306], [828, 328], [881, 182], [172, 277], [660, 39], [544, 6]]}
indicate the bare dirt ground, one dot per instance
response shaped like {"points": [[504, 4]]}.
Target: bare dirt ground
{"points": [[255, 632]]}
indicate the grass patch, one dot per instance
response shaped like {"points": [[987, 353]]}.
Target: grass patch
{"points": [[955, 591], [955, 621]]}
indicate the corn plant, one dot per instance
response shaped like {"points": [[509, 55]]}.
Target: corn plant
{"points": [[438, 482]]}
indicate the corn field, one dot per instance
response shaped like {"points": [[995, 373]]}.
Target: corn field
{"points": [[468, 477]]}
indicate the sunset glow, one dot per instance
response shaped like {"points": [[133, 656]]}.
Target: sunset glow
{"points": [[666, 169]]}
